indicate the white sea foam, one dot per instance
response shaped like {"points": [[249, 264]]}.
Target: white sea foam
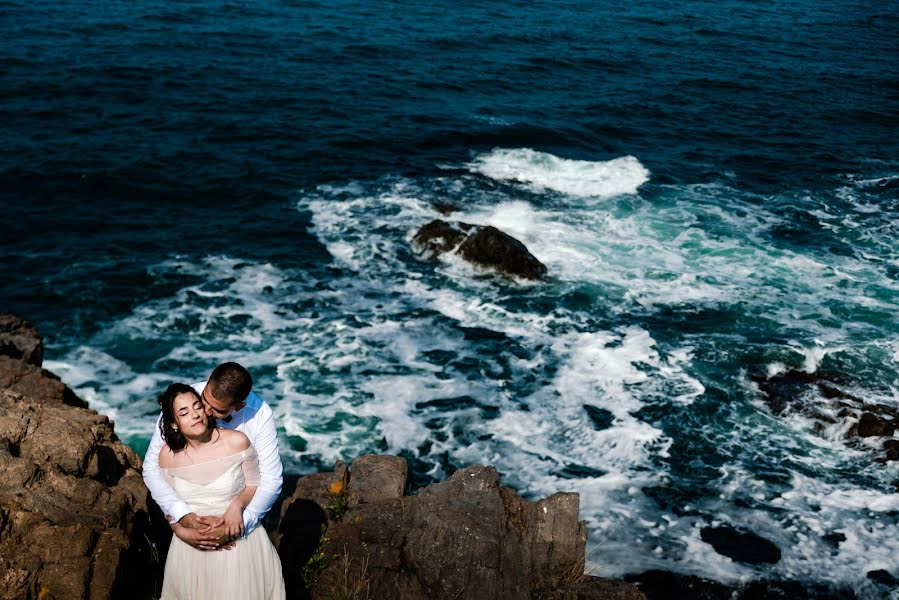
{"points": [[820, 508], [350, 364], [112, 387], [813, 356], [540, 170], [656, 261]]}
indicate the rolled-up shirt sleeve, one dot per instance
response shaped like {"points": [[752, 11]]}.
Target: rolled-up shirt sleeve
{"points": [[156, 482], [265, 443]]}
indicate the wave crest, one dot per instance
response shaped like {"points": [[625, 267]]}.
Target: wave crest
{"points": [[581, 178]]}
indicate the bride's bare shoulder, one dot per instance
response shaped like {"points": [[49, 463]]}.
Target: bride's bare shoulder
{"points": [[167, 458], [236, 440]]}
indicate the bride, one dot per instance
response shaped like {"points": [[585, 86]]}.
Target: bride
{"points": [[215, 472]]}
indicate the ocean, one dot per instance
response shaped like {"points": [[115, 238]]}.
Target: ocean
{"points": [[713, 186]]}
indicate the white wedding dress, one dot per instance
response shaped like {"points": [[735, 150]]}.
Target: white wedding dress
{"points": [[251, 569]]}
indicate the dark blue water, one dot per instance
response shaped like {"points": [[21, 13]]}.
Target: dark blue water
{"points": [[195, 181]]}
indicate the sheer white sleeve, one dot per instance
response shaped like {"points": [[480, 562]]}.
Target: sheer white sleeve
{"points": [[250, 468]]}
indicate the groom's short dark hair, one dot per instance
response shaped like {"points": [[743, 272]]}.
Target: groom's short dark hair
{"points": [[230, 383]]}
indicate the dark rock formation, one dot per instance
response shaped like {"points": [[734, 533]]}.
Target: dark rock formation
{"points": [[600, 417], [466, 537], [883, 577], [18, 339], [486, 247], [445, 209], [490, 247], [820, 397], [664, 585], [437, 237], [871, 425], [891, 450], [785, 390], [73, 506], [742, 546]]}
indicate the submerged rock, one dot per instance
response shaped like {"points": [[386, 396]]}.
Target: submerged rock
{"points": [[662, 585], [665, 585], [883, 577], [742, 546], [871, 425], [600, 417], [821, 398], [465, 537], [484, 246]]}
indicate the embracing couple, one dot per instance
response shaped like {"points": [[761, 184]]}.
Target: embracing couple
{"points": [[214, 469]]}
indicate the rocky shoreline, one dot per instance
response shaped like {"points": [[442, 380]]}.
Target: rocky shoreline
{"points": [[77, 522]]}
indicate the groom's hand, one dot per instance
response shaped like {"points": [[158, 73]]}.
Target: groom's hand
{"points": [[196, 537], [205, 523], [203, 532]]}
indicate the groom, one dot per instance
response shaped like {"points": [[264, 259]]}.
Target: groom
{"points": [[228, 397]]}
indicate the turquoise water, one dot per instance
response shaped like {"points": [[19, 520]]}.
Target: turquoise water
{"points": [[714, 189]]}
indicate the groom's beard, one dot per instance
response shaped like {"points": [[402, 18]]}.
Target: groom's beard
{"points": [[228, 419]]}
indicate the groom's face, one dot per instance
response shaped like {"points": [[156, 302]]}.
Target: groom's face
{"points": [[216, 408]]}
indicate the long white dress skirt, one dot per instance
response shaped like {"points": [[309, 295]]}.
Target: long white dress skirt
{"points": [[249, 571]]}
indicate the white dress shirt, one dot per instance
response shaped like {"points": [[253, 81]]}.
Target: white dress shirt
{"points": [[256, 421]]}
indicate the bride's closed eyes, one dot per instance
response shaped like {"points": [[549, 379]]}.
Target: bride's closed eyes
{"points": [[198, 406]]}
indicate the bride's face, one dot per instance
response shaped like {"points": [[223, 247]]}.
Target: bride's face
{"points": [[190, 415]]}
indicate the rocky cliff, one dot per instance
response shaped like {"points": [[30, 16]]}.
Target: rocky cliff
{"points": [[73, 508]]}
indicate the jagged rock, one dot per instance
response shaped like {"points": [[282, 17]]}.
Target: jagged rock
{"points": [[437, 237], [73, 506], [465, 537], [490, 247], [742, 546], [445, 209], [802, 393], [600, 417], [377, 478], [785, 390], [891, 451], [20, 377], [870, 425], [484, 246], [18, 339]]}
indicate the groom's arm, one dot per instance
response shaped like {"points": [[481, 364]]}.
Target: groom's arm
{"points": [[159, 488], [265, 442]]}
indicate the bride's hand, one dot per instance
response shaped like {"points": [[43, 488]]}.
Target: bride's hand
{"points": [[233, 518]]}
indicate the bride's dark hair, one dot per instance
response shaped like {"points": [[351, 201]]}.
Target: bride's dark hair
{"points": [[173, 437]]}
